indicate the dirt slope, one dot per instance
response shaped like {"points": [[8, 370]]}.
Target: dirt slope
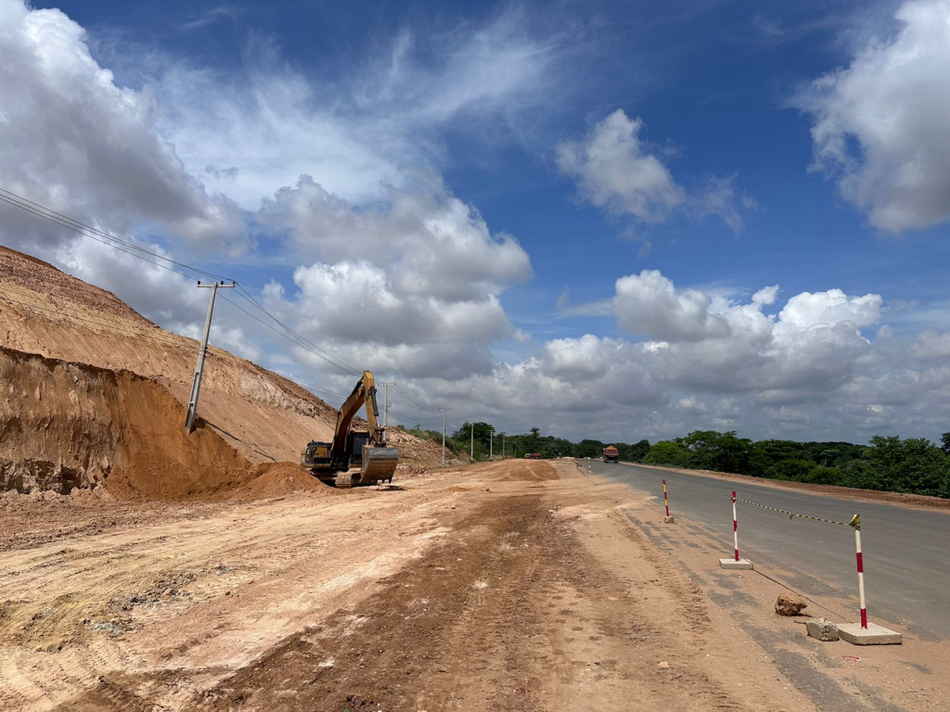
{"points": [[264, 417]]}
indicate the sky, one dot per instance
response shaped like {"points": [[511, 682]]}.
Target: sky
{"points": [[610, 220]]}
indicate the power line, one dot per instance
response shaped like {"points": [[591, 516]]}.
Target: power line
{"points": [[340, 363], [421, 405], [137, 251], [301, 343], [82, 228]]}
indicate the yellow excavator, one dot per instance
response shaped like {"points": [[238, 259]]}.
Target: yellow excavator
{"points": [[331, 462]]}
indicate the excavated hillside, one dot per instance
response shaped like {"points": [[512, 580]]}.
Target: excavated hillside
{"points": [[96, 394]]}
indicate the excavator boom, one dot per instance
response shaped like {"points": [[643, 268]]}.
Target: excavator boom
{"points": [[332, 461]]}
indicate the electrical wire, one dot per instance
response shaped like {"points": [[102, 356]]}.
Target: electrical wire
{"points": [[406, 395], [80, 227], [142, 253]]}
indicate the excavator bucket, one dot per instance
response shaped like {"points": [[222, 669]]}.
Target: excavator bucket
{"points": [[379, 464]]}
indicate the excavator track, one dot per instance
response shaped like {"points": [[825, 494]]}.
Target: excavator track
{"points": [[344, 480]]}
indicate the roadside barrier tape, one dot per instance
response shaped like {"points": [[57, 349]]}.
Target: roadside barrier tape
{"points": [[792, 515]]}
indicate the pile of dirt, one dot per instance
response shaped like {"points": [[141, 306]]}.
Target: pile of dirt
{"points": [[113, 396], [282, 478]]}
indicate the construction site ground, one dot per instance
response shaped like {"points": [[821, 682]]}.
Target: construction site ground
{"points": [[502, 586]]}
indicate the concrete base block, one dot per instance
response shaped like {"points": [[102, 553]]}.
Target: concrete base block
{"points": [[733, 564], [669, 520], [872, 635]]}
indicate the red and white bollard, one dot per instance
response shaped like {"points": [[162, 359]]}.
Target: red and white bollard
{"points": [[667, 519], [857, 549], [735, 563], [865, 633]]}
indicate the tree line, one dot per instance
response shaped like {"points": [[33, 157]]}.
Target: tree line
{"points": [[888, 463]]}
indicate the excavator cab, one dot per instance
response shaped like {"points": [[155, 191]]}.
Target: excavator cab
{"points": [[331, 462]]}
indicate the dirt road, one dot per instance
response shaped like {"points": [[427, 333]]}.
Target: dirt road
{"points": [[508, 586]]}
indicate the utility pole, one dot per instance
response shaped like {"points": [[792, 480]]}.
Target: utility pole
{"points": [[471, 452], [491, 445], [385, 403], [504, 442], [444, 411], [199, 367]]}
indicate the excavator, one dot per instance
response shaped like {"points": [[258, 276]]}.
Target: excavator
{"points": [[331, 462]]}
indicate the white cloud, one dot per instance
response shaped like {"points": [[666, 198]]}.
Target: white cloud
{"points": [[406, 287], [692, 405], [616, 170], [648, 303], [381, 124], [931, 345], [719, 196], [829, 308], [73, 140], [879, 124], [435, 244]]}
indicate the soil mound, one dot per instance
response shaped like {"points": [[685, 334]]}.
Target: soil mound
{"points": [[282, 478], [65, 425]]}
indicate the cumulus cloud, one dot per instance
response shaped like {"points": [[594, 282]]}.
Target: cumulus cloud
{"points": [[73, 140], [615, 170], [712, 360], [931, 345], [692, 405], [648, 303], [879, 124], [435, 244], [410, 285]]}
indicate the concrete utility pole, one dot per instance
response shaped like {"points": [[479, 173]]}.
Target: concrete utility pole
{"points": [[504, 441], [385, 403], [444, 411], [199, 367], [471, 452], [491, 444]]}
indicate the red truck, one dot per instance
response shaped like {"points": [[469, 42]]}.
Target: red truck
{"points": [[532, 456], [611, 454]]}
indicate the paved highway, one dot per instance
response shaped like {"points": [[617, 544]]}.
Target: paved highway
{"points": [[906, 551]]}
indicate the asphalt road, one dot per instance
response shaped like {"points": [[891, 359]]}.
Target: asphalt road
{"points": [[906, 551]]}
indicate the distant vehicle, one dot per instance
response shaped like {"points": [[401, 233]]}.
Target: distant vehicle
{"points": [[611, 454], [532, 456]]}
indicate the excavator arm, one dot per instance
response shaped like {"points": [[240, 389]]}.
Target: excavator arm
{"points": [[331, 461], [363, 394]]}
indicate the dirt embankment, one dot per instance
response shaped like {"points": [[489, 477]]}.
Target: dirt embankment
{"points": [[65, 425], [109, 407]]}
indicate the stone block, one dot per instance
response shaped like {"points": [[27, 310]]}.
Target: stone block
{"points": [[822, 630]]}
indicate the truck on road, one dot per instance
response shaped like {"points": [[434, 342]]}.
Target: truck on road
{"points": [[611, 454]]}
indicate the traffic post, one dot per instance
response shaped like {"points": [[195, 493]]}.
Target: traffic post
{"points": [[865, 633], [666, 501], [736, 562]]}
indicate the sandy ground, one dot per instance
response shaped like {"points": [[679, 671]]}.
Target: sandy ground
{"points": [[506, 586]]}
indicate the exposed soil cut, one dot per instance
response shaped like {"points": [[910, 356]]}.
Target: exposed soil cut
{"points": [[105, 406]]}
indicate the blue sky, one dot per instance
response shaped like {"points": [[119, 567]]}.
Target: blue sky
{"points": [[558, 215]]}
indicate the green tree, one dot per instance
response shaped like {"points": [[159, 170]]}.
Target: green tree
{"points": [[668, 452]]}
